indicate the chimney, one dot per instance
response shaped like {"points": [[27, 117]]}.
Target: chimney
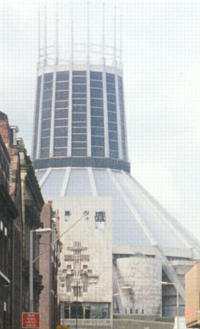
{"points": [[4, 129]]}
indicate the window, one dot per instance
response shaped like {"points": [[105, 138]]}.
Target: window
{"points": [[81, 88], [61, 113], [62, 86], [62, 95], [60, 142], [95, 75], [61, 151], [48, 77], [60, 132], [67, 215], [100, 216], [62, 76], [96, 93], [79, 73], [96, 84], [97, 102], [98, 141]]}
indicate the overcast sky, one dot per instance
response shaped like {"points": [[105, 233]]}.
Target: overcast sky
{"points": [[161, 56]]}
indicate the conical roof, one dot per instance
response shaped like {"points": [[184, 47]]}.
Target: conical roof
{"points": [[139, 221]]}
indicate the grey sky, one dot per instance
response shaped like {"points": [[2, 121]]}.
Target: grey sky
{"points": [[161, 55]]}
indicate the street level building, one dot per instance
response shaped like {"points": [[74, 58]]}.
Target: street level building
{"points": [[80, 151], [49, 248], [20, 199], [8, 214], [192, 287]]}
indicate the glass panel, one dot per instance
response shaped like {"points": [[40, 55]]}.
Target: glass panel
{"points": [[62, 76], [95, 75], [48, 77]]}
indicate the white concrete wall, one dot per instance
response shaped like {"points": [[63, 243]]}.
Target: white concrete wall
{"points": [[98, 242], [142, 277]]}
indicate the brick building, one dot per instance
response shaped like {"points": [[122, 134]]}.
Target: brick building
{"points": [[21, 199], [8, 213], [49, 262]]}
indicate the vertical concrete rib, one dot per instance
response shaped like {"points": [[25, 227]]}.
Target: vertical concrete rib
{"points": [[92, 182], [51, 151], [65, 181], [44, 177]]}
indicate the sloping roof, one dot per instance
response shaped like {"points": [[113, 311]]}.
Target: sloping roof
{"points": [[138, 219]]}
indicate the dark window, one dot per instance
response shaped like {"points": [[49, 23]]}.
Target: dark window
{"points": [[79, 108], [95, 75], [78, 95], [61, 105], [97, 111], [61, 113], [114, 154], [62, 85], [46, 124], [113, 145], [60, 142], [97, 121], [60, 123], [97, 102], [45, 133], [45, 142], [47, 94], [112, 117], [112, 126], [110, 88], [79, 73], [79, 144], [79, 80], [97, 141], [79, 130], [46, 114], [79, 101], [60, 132], [100, 216], [111, 107], [78, 117], [60, 152], [113, 135], [81, 88], [110, 77], [111, 98], [44, 153], [62, 76], [79, 152], [97, 131], [46, 104], [47, 85], [62, 95], [98, 152], [48, 77], [80, 137], [78, 124], [96, 93], [96, 84]]}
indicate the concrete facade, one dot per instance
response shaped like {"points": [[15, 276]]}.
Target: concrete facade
{"points": [[85, 274], [141, 278]]}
